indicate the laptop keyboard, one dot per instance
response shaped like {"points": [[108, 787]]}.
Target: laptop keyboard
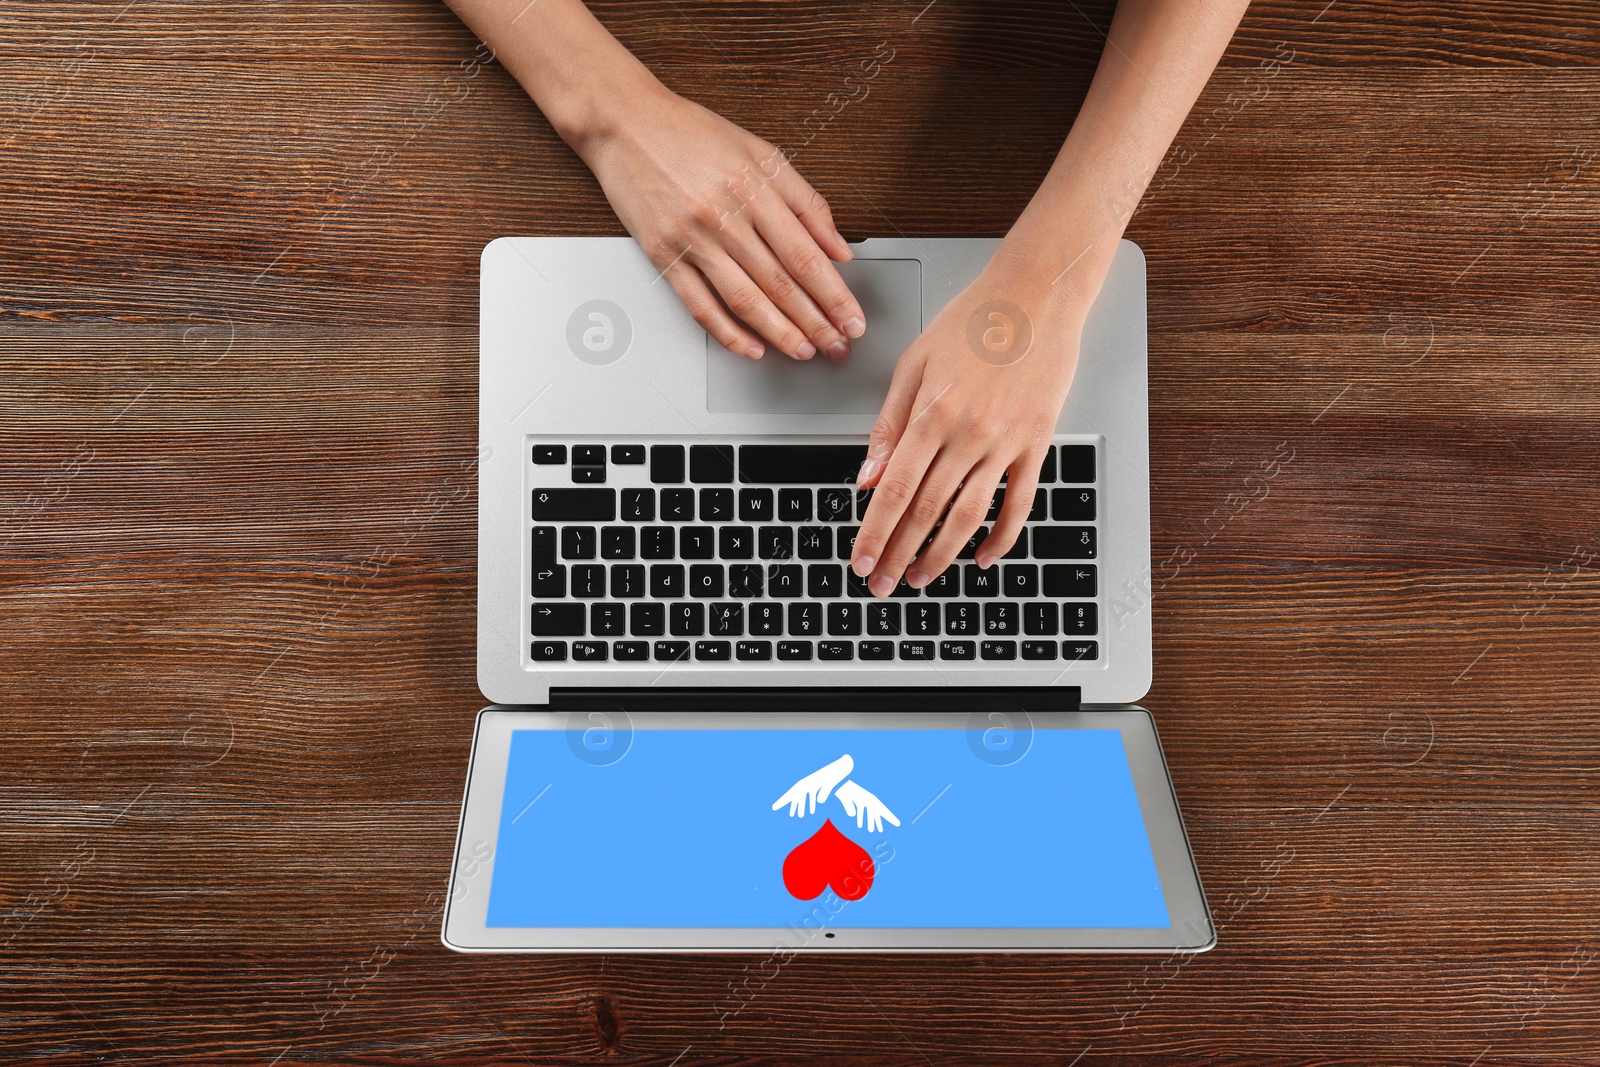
{"points": [[738, 553]]}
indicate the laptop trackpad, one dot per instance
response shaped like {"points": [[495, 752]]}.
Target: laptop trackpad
{"points": [[890, 294]]}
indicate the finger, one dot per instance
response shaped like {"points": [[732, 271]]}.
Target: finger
{"points": [[811, 208], [746, 300], [760, 262], [939, 486], [966, 514], [808, 265], [884, 510], [900, 505], [1021, 480], [704, 307]]}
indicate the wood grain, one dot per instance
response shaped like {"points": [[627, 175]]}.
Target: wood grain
{"points": [[238, 366]]}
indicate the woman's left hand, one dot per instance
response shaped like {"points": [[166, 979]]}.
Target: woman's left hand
{"points": [[974, 397]]}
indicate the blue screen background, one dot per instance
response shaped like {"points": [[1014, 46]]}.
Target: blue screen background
{"points": [[680, 832]]}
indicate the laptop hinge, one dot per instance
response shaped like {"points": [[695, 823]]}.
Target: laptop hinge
{"points": [[818, 698]]}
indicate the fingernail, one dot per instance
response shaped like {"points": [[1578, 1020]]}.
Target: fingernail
{"points": [[838, 350], [881, 586], [853, 326], [879, 449], [869, 467], [863, 566], [917, 579], [806, 350], [848, 254], [755, 351], [985, 562]]}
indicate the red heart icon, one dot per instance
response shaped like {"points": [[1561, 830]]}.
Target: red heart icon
{"points": [[828, 858]]}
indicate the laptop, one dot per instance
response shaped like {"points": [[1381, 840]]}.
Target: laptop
{"points": [[707, 735]]}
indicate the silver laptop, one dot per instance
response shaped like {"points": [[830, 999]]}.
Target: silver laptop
{"points": [[708, 735]]}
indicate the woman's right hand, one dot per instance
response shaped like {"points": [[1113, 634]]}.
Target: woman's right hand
{"points": [[719, 211]]}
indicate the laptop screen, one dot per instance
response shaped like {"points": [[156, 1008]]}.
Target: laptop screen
{"points": [[865, 828]]}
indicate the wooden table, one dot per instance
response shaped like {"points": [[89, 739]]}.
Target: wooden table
{"points": [[238, 311]]}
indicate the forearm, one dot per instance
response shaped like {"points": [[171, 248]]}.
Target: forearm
{"points": [[1158, 57], [581, 77]]}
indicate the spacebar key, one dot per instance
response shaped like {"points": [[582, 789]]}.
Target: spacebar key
{"points": [[799, 464], [575, 505]]}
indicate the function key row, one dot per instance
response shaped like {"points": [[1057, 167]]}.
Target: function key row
{"points": [[770, 464], [840, 619], [712, 651]]}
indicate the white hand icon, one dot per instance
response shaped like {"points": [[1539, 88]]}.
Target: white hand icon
{"points": [[864, 806], [815, 786]]}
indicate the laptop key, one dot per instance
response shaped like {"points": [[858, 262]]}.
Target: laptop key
{"points": [[706, 580], [727, 620], [1047, 469], [753, 650], [835, 650], [775, 542], [824, 580], [547, 454], [1064, 542], [588, 474], [1080, 619], [1041, 506], [548, 651], [1040, 618], [716, 505], [617, 542], [557, 620], [575, 505], [883, 619], [1072, 505], [816, 542], [766, 619], [736, 542], [956, 650], [969, 550], [1066, 581], [916, 650], [658, 542], [834, 505], [608, 620], [1000, 617], [1080, 650], [876, 649], [712, 650], [627, 580], [998, 649], [783, 580], [980, 582], [677, 505], [844, 619], [588, 455], [647, 620], [697, 542], [629, 651], [863, 499], [961, 619], [686, 618], [710, 463], [1019, 547], [666, 581], [578, 542], [744, 580], [666, 463], [922, 619], [847, 540], [589, 650], [1021, 580], [798, 464], [1077, 463], [855, 585], [1038, 650], [794, 505], [550, 583], [805, 620], [671, 650], [794, 649], [755, 505], [628, 455], [946, 583], [638, 505]]}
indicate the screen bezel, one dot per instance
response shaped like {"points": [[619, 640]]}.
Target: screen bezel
{"points": [[465, 927]]}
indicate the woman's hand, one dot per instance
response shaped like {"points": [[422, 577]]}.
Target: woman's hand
{"points": [[976, 396], [720, 211]]}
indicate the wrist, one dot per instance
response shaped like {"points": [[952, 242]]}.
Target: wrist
{"points": [[1056, 282], [607, 105]]}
